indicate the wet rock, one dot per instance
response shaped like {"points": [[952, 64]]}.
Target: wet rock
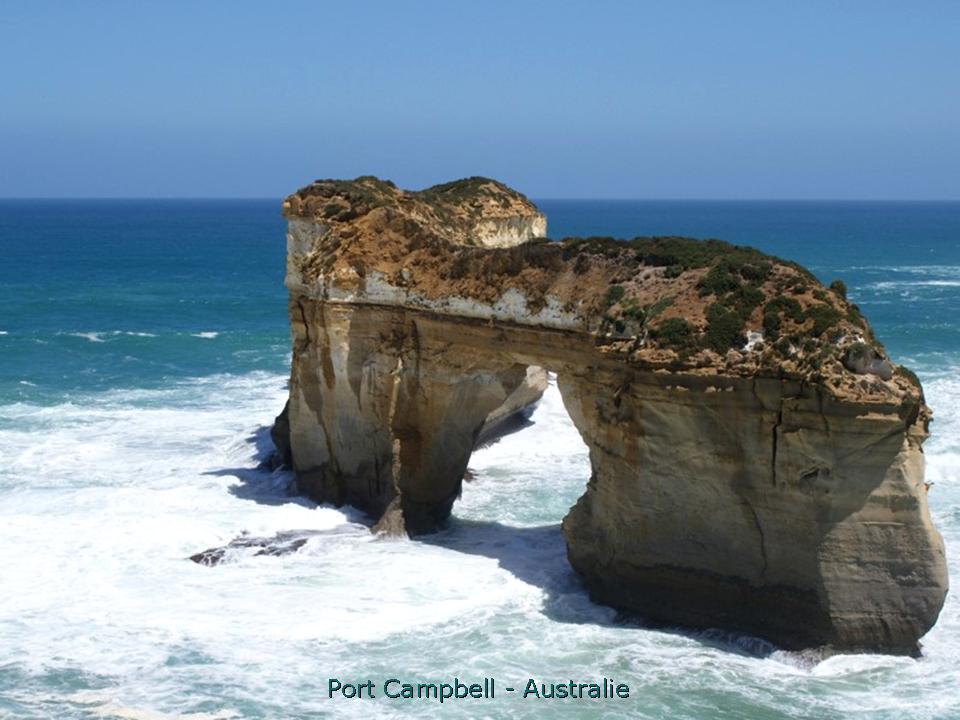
{"points": [[280, 434], [283, 543]]}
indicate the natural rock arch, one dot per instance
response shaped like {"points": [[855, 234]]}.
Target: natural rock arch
{"points": [[762, 486]]}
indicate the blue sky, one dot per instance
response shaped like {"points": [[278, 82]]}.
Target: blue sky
{"points": [[559, 99]]}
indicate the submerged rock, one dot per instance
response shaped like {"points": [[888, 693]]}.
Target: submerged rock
{"points": [[768, 487]]}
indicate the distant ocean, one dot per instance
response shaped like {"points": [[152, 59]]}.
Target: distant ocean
{"points": [[144, 351]]}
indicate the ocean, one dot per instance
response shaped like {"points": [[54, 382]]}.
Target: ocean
{"points": [[144, 352]]}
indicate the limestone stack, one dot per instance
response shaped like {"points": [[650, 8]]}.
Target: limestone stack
{"points": [[756, 458]]}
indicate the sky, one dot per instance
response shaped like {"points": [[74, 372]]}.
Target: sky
{"points": [[678, 99]]}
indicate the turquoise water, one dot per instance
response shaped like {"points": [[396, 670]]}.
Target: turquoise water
{"points": [[99, 295], [144, 350]]}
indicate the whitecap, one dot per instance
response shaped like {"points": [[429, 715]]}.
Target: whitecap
{"points": [[953, 270], [102, 704], [901, 284], [207, 335], [102, 335], [96, 337]]}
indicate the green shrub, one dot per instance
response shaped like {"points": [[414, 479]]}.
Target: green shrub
{"points": [[824, 318], [673, 271], [858, 351], [744, 299], [688, 253], [581, 264], [718, 280], [840, 288], [633, 312], [673, 332], [728, 274], [724, 328], [855, 316], [614, 294], [595, 245], [788, 306], [682, 253], [464, 191], [756, 273], [771, 325], [659, 306]]}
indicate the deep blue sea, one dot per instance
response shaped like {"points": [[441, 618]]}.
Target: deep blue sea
{"points": [[144, 351]]}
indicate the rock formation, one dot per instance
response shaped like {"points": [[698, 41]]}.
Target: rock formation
{"points": [[756, 458], [516, 410]]}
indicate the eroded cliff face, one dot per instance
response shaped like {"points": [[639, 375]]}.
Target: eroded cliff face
{"points": [[756, 458]]}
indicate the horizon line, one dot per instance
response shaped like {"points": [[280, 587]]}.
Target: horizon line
{"points": [[243, 198]]}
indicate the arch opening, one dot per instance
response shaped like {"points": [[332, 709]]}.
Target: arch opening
{"points": [[692, 516]]}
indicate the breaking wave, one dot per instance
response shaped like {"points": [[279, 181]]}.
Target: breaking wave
{"points": [[119, 488]]}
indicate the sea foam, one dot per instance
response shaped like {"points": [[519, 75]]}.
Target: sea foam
{"points": [[103, 499]]}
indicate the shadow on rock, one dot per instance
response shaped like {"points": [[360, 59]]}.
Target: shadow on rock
{"points": [[507, 426]]}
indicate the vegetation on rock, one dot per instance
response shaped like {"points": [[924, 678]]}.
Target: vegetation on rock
{"points": [[840, 288], [674, 332], [661, 294]]}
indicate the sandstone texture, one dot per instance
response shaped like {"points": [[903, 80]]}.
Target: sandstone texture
{"points": [[756, 458]]}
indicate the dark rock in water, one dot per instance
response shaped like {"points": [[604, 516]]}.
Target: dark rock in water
{"points": [[283, 543], [280, 434]]}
